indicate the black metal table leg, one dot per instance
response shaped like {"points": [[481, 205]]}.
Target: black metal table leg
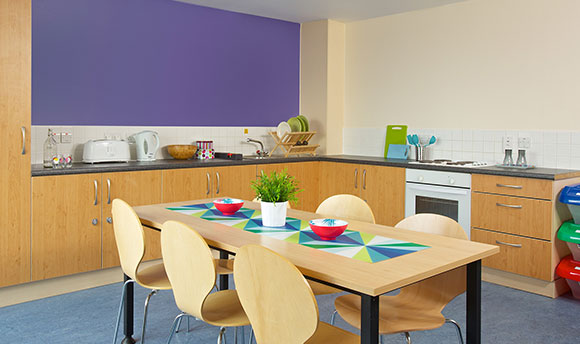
{"points": [[473, 333], [128, 312], [369, 326], [224, 278]]}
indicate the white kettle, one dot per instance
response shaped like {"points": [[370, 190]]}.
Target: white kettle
{"points": [[147, 144]]}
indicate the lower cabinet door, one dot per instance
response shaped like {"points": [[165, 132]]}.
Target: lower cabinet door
{"points": [[383, 188], [66, 225], [339, 178], [135, 188], [519, 255], [186, 184], [233, 181]]}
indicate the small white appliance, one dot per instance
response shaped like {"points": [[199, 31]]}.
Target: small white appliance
{"points": [[147, 144], [438, 192], [104, 150]]}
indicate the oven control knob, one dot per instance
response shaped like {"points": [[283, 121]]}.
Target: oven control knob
{"points": [[451, 181], [420, 178]]}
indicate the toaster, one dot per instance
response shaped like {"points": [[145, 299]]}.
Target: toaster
{"points": [[104, 150]]}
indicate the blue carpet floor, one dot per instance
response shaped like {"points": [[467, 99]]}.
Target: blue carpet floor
{"points": [[508, 316]]}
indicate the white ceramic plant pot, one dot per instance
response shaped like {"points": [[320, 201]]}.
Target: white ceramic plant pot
{"points": [[274, 214]]}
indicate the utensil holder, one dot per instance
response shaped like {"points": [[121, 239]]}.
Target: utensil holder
{"points": [[420, 153]]}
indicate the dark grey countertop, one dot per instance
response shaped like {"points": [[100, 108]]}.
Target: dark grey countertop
{"points": [[79, 168]]}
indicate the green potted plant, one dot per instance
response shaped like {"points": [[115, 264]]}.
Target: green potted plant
{"points": [[274, 192]]}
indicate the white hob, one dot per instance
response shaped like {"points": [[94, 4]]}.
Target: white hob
{"points": [[453, 163]]}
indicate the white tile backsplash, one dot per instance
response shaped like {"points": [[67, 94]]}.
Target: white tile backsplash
{"points": [[556, 149], [226, 139]]}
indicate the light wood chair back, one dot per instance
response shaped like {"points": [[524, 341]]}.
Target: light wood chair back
{"points": [[129, 237], [435, 292], [348, 207], [189, 265], [275, 296]]}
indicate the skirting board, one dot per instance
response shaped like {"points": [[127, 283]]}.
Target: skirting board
{"points": [[550, 289], [61, 285]]}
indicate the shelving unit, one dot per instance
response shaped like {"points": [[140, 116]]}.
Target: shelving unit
{"points": [[289, 143]]}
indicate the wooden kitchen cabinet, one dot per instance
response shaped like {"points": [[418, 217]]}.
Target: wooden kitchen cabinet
{"points": [[307, 175], [197, 183], [136, 188], [15, 90], [382, 187], [66, 225]]}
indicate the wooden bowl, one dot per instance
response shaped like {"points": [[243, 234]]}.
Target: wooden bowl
{"points": [[182, 152]]}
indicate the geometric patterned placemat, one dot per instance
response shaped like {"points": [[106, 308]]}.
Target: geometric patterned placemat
{"points": [[352, 244]]}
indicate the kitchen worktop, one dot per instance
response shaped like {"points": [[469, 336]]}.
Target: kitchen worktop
{"points": [[78, 168]]}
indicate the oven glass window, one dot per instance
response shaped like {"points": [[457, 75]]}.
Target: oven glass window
{"points": [[445, 207]]}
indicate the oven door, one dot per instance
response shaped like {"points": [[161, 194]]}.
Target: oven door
{"points": [[447, 201]]}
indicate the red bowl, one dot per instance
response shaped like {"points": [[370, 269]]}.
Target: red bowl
{"points": [[228, 206], [328, 229]]}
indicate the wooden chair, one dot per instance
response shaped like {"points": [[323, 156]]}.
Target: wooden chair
{"points": [[130, 241], [192, 272], [346, 206], [278, 301], [417, 307]]}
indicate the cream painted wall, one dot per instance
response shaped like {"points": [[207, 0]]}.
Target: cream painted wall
{"points": [[488, 64], [322, 77]]}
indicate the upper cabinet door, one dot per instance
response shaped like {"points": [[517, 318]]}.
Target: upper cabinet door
{"points": [[187, 184], [135, 188], [233, 181], [66, 225], [383, 188], [15, 100]]}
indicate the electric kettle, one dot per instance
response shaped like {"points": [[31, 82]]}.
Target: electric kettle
{"points": [[147, 143]]}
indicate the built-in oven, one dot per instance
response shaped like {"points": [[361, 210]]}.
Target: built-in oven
{"points": [[438, 192]]}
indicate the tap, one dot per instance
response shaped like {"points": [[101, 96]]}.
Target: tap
{"points": [[262, 152]]}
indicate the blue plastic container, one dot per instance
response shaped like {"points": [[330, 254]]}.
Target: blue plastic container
{"points": [[570, 195]]}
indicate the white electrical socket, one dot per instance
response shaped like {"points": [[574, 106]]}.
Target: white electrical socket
{"points": [[66, 137], [524, 142], [508, 142]]}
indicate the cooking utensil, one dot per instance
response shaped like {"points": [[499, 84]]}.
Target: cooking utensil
{"points": [[432, 140]]}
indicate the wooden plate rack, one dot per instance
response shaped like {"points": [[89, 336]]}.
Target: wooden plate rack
{"points": [[289, 143]]}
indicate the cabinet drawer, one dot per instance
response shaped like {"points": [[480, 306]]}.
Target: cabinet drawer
{"points": [[525, 187], [522, 216], [530, 258]]}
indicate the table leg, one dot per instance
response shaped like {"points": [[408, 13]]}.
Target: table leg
{"points": [[224, 278], [473, 333], [128, 312], [369, 329]]}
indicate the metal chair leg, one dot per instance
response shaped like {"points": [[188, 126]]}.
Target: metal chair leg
{"points": [[457, 328], [408, 337], [178, 325], [174, 325], [123, 292], [251, 336], [332, 317], [222, 335], [235, 335], [381, 338], [153, 292]]}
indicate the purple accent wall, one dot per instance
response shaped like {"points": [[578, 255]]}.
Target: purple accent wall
{"points": [[160, 63]]}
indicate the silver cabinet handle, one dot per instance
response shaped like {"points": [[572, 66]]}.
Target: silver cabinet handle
{"points": [[208, 183], [109, 220], [23, 131], [364, 179], [95, 222], [509, 186], [108, 191], [509, 206], [356, 178], [217, 176], [508, 244], [96, 193]]}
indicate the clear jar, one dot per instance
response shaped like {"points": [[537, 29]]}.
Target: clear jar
{"points": [[49, 149]]}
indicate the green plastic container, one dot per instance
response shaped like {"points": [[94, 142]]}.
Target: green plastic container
{"points": [[570, 233]]}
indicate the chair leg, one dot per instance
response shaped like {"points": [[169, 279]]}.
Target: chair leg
{"points": [[457, 328], [332, 317], [408, 337], [381, 338], [174, 325], [178, 325], [235, 335], [123, 291], [153, 292], [251, 336], [222, 335]]}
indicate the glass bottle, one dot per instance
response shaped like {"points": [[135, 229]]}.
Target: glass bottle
{"points": [[49, 149]]}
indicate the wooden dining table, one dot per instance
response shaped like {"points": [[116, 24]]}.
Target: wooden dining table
{"points": [[369, 280]]}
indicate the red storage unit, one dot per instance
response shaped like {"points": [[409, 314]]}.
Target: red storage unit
{"points": [[570, 270]]}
